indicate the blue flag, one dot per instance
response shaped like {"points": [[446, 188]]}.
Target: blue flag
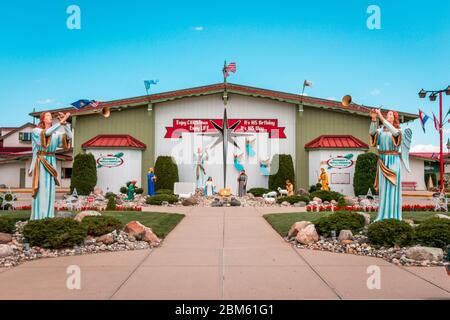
{"points": [[83, 103], [148, 83]]}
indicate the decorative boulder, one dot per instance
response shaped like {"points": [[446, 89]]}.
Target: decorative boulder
{"points": [[141, 232], [235, 202], [334, 202], [285, 204], [106, 239], [302, 192], [296, 227], [189, 202], [300, 204], [318, 200], [5, 238], [307, 235], [409, 221], [425, 253], [64, 214], [216, 203], [366, 217], [442, 216], [90, 213], [349, 201], [270, 200], [345, 235], [5, 250]]}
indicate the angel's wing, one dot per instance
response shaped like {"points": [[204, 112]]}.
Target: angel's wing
{"points": [[406, 145]]}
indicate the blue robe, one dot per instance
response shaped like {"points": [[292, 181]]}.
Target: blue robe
{"points": [[388, 175], [150, 184], [43, 168]]}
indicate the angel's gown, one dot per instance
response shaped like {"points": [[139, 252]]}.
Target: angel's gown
{"points": [[390, 200]]}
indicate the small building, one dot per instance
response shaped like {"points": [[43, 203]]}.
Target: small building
{"points": [[16, 154], [179, 123]]}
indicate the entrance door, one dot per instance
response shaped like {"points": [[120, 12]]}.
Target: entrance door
{"points": [[22, 178]]}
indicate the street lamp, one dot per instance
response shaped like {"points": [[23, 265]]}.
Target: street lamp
{"points": [[433, 96]]}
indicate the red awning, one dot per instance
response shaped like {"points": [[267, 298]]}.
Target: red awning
{"points": [[336, 142], [114, 141]]}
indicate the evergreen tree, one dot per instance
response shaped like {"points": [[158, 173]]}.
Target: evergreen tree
{"points": [[166, 171], [84, 174], [365, 171], [285, 171]]}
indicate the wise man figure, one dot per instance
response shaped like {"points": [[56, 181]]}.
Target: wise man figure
{"points": [[289, 187], [45, 140], [242, 184], [151, 179], [323, 179]]}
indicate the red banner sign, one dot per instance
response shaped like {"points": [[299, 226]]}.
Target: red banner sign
{"points": [[269, 126]]}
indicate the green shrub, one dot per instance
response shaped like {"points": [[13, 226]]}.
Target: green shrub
{"points": [[139, 191], [84, 174], [159, 198], [124, 190], [164, 191], [341, 202], [315, 187], [258, 192], [100, 225], [293, 199], [365, 170], [166, 171], [390, 232], [7, 225], [433, 232], [54, 233], [338, 221], [111, 205], [326, 195], [110, 195], [285, 171]]}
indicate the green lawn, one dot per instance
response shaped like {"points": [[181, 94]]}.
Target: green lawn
{"points": [[282, 222], [161, 223]]}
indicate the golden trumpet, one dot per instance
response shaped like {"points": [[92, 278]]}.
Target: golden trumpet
{"points": [[346, 100], [106, 112]]}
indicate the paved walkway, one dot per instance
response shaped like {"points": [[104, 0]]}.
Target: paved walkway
{"points": [[221, 253]]}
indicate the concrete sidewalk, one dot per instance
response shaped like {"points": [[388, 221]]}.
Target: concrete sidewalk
{"points": [[222, 253]]}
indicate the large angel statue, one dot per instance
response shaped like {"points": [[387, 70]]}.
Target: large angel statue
{"points": [[393, 145], [199, 166]]}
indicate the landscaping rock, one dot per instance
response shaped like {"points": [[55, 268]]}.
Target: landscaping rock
{"points": [[409, 221], [235, 202], [296, 227], [90, 213], [346, 241], [5, 238], [150, 237], [349, 201], [5, 250], [64, 214], [135, 229], [189, 202], [442, 216], [425, 253], [285, 204], [216, 203], [302, 192], [307, 235], [345, 235], [300, 204], [366, 217], [270, 200], [318, 200], [106, 238]]}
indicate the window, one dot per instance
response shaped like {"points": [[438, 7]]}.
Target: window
{"points": [[25, 136], [66, 173]]}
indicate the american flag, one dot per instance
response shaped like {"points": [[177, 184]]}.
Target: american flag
{"points": [[94, 103], [436, 123], [230, 68]]}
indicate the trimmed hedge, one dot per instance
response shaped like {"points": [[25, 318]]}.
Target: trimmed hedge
{"points": [[123, 190], [293, 199], [166, 172], [111, 205], [7, 225], [258, 192], [390, 232], [84, 174], [315, 187], [164, 191], [100, 225], [285, 171], [365, 170], [433, 232], [110, 195], [159, 198], [340, 221], [326, 195], [54, 233]]}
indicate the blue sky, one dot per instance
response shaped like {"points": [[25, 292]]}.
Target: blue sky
{"points": [[276, 45]]}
